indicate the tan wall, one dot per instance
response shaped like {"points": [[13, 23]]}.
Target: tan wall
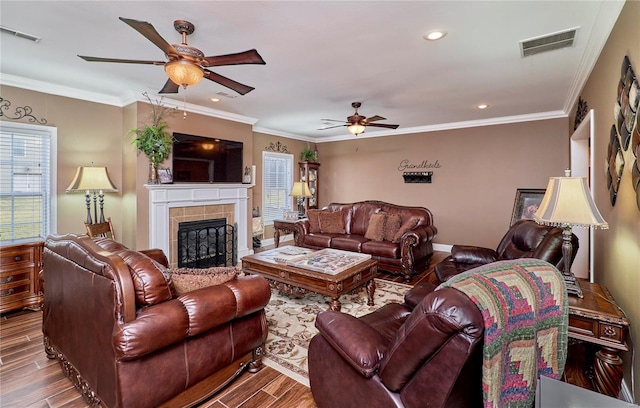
{"points": [[87, 132], [617, 250], [472, 192]]}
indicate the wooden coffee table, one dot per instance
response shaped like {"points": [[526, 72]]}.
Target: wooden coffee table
{"points": [[298, 281]]}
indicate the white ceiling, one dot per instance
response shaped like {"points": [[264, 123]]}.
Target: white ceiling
{"points": [[320, 56]]}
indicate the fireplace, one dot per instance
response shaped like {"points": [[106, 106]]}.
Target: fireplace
{"points": [[207, 243]]}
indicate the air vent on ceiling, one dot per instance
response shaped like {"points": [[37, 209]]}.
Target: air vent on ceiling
{"points": [[20, 34], [226, 95], [549, 42]]}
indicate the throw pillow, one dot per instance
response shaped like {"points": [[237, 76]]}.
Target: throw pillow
{"points": [[408, 225], [314, 221], [392, 226], [188, 279], [150, 285], [375, 229], [331, 222]]}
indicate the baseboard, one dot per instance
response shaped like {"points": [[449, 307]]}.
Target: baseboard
{"points": [[442, 247]]}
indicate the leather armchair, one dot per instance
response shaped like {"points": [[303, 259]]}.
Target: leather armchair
{"points": [[400, 356], [525, 239], [124, 339]]}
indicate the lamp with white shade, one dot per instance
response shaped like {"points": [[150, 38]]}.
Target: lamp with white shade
{"points": [[92, 180], [567, 203], [300, 190]]}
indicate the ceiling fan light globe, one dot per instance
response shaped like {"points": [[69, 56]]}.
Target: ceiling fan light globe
{"points": [[355, 129], [183, 72]]}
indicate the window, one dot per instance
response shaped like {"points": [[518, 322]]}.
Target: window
{"points": [[27, 181], [277, 173]]}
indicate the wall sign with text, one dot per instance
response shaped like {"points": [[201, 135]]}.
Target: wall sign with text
{"points": [[415, 173]]}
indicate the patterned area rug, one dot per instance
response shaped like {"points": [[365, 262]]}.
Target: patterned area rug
{"points": [[292, 323]]}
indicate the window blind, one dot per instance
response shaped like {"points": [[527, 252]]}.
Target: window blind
{"points": [[277, 173], [25, 182]]}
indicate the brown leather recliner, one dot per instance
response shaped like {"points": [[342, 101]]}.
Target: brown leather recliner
{"points": [[426, 352], [125, 340], [525, 239]]}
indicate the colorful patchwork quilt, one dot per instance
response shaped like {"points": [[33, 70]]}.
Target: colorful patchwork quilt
{"points": [[525, 312]]}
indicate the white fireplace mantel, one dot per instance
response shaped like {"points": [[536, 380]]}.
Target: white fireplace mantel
{"points": [[162, 197]]}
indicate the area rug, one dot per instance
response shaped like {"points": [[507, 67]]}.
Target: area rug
{"points": [[292, 323]]}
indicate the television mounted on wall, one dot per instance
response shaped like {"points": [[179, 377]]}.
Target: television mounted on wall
{"points": [[199, 159]]}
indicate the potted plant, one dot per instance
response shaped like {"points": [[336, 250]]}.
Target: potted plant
{"points": [[153, 139], [308, 155]]}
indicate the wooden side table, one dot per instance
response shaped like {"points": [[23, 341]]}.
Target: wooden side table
{"points": [[285, 226], [597, 319]]}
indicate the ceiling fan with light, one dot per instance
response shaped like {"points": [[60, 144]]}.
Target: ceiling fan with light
{"points": [[186, 65], [356, 123]]}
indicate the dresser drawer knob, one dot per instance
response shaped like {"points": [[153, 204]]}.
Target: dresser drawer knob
{"points": [[17, 258], [8, 293], [9, 279]]}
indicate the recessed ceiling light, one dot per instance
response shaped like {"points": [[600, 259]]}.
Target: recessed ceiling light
{"points": [[482, 106], [215, 99], [434, 35]]}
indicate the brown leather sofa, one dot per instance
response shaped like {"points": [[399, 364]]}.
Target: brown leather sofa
{"points": [[426, 352], [407, 255], [124, 340], [525, 239]]}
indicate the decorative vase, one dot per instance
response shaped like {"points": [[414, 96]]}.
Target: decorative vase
{"points": [[153, 174]]}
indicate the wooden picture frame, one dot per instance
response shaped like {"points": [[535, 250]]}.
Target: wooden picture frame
{"points": [[165, 176], [526, 203]]}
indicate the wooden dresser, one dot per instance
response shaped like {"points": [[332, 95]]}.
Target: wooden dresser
{"points": [[19, 268]]}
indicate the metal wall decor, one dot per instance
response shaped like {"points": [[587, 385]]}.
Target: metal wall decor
{"points": [[21, 112], [614, 165], [276, 147], [581, 112]]}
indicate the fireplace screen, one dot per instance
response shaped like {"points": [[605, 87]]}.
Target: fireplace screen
{"points": [[203, 244]]}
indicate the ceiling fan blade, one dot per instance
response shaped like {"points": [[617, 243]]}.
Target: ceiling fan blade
{"points": [[124, 61], [332, 120], [331, 127], [150, 33], [383, 125], [169, 87], [374, 118], [246, 57], [229, 83]]}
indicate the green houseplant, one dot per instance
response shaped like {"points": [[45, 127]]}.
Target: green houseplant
{"points": [[153, 139], [308, 155]]}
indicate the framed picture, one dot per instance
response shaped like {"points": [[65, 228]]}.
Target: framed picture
{"points": [[526, 204], [291, 215], [165, 177]]}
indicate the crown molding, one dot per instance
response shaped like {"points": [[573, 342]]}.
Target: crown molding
{"points": [[124, 100], [288, 135]]}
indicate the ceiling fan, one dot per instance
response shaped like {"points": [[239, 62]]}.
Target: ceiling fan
{"points": [[186, 65], [356, 123]]}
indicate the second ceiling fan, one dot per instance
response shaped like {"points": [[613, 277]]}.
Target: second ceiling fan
{"points": [[356, 123]]}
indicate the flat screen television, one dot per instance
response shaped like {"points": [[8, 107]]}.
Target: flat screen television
{"points": [[199, 159]]}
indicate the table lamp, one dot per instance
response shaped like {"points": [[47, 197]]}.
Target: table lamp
{"points": [[300, 190], [96, 180], [567, 203]]}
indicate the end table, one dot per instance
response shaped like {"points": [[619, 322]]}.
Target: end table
{"points": [[285, 226]]}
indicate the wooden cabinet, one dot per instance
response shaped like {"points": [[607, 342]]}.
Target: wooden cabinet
{"points": [[19, 268], [309, 173]]}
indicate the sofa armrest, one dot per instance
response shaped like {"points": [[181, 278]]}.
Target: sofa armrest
{"points": [[415, 295], [473, 254], [358, 343], [193, 313]]}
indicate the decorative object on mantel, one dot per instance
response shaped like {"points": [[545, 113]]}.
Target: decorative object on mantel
{"points": [[246, 178], [153, 139], [276, 147], [21, 112], [581, 112], [96, 180], [567, 203], [417, 176]]}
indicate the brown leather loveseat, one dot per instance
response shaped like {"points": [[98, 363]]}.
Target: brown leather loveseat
{"points": [[398, 237], [125, 340]]}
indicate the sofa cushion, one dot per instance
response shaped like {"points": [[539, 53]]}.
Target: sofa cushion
{"points": [[314, 220], [150, 285], [351, 243], [318, 240], [189, 279], [408, 225], [392, 226], [384, 249], [375, 230], [331, 222]]}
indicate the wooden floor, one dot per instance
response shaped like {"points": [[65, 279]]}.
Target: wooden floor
{"points": [[29, 380]]}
